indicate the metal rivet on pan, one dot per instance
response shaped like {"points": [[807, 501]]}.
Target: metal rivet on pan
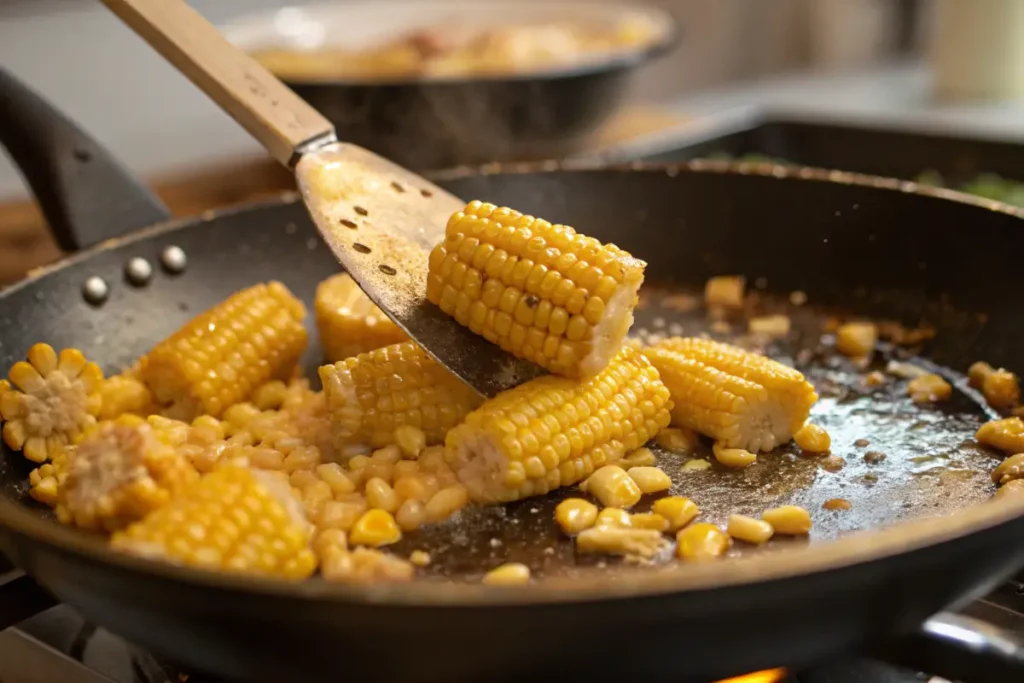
{"points": [[138, 271], [95, 290], [173, 259]]}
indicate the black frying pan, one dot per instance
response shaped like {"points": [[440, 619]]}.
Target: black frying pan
{"points": [[854, 243]]}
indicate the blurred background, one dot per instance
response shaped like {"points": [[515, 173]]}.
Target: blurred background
{"points": [[931, 65]]}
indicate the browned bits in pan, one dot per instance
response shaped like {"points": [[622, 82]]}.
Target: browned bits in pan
{"points": [[861, 443], [874, 457], [832, 463]]}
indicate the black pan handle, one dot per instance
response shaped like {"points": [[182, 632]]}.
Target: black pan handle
{"points": [[86, 195], [20, 597]]}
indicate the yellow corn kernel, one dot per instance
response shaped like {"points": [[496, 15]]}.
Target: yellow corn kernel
{"points": [[341, 514], [642, 543], [929, 389], [857, 340], [1007, 435], [336, 478], [540, 291], [749, 529], [1014, 487], [837, 504], [270, 395], [733, 458], [446, 503], [641, 457], [380, 495], [613, 517], [349, 322], [233, 519], [124, 393], [223, 355], [374, 566], [411, 440], [411, 515], [790, 520], [53, 401], [405, 468], [648, 520], [813, 439], [553, 432], [613, 486], [650, 479], [977, 373], [701, 542], [1001, 389], [679, 511], [677, 439], [1009, 469], [736, 397], [770, 325], [46, 490], [370, 395], [575, 514], [695, 465], [725, 291], [420, 558], [510, 574], [375, 528]]}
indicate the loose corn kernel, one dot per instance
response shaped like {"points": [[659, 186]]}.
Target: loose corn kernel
{"points": [[411, 440], [770, 325], [857, 340], [749, 530], [1001, 389], [725, 290], [701, 542], [1009, 469], [341, 514], [648, 520], [790, 520], [837, 504], [734, 458], [375, 528], [929, 389], [613, 517], [1007, 434], [677, 439], [696, 465], [813, 439], [420, 558], [446, 503], [575, 514], [510, 574], [650, 479], [411, 515], [380, 496], [641, 457], [613, 486], [679, 511], [1014, 487], [643, 543]]}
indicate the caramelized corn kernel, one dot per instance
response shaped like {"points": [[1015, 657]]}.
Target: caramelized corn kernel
{"points": [[813, 439], [1001, 389], [1009, 469], [648, 520], [613, 486], [650, 479], [790, 520], [575, 514], [643, 543], [749, 530], [613, 517], [837, 504], [929, 389], [677, 439], [510, 574], [977, 373], [857, 340], [375, 528], [679, 511], [1007, 435], [734, 458], [701, 542]]}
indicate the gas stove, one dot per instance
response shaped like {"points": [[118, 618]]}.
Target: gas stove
{"points": [[59, 646]]}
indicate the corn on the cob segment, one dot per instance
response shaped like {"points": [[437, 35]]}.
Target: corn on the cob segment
{"points": [[224, 354], [374, 393], [349, 323], [740, 399], [55, 398], [121, 472], [554, 431], [540, 291], [234, 519]]}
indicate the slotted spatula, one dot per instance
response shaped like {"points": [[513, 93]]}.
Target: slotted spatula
{"points": [[379, 219]]}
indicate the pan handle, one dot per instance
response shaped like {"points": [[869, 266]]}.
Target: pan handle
{"points": [[20, 597], [86, 195]]}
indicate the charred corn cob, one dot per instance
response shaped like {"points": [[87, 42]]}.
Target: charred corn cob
{"points": [[224, 354], [372, 394], [740, 399], [233, 519], [348, 322], [555, 431], [53, 401], [540, 291], [121, 472]]}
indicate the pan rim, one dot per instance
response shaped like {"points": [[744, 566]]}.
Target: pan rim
{"points": [[860, 548]]}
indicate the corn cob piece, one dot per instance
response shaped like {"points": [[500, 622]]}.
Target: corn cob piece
{"points": [[121, 472], [554, 431], [740, 399], [371, 395], [542, 292], [53, 401], [224, 354], [233, 520], [125, 393], [349, 322]]}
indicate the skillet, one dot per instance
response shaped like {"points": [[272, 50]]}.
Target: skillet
{"points": [[852, 243]]}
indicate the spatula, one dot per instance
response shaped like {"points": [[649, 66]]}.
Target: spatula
{"points": [[379, 219]]}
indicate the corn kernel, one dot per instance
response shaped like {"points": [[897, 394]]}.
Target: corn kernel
{"points": [[813, 439], [510, 574], [837, 504], [334, 539], [411, 515], [1007, 434], [641, 457], [790, 520], [650, 479], [1009, 469], [380, 495], [734, 458], [857, 340], [929, 389], [725, 290], [679, 511], [375, 528], [770, 325], [1014, 487], [643, 543], [335, 477], [446, 503], [648, 520], [342, 515], [420, 558], [411, 440], [1001, 389], [613, 487], [977, 373], [749, 529], [677, 439], [358, 462], [575, 514], [701, 542], [405, 468], [695, 465], [613, 517]]}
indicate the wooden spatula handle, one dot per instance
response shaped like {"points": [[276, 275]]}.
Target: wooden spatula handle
{"points": [[278, 118]]}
